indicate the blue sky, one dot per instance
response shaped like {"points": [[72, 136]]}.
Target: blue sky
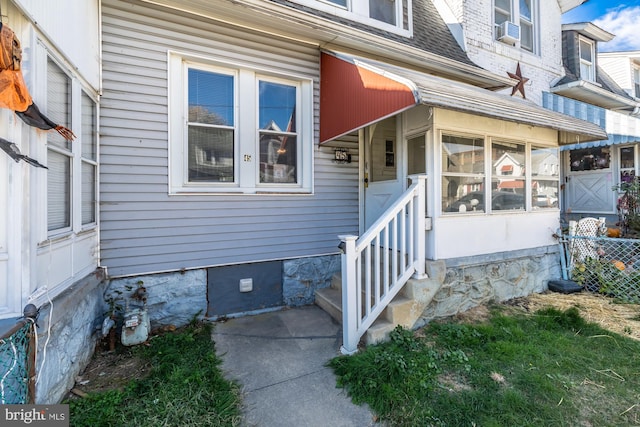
{"points": [[619, 18]]}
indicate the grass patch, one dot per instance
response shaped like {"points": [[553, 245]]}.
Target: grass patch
{"points": [[185, 387], [550, 368]]}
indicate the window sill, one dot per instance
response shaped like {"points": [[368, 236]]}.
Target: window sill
{"points": [[298, 192]]}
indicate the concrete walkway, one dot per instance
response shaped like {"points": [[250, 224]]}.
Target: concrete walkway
{"points": [[279, 360]]}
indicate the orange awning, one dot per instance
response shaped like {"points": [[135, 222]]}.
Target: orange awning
{"points": [[352, 97]]}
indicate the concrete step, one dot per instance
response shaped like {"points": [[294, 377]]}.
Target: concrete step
{"points": [[330, 300], [405, 309], [378, 332], [401, 311]]}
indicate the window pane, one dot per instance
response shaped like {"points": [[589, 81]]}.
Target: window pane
{"points": [[58, 191], [590, 159], [277, 107], [278, 158], [500, 18], [462, 194], [88, 196], [383, 10], [586, 71], [526, 36], [58, 102], [210, 154], [89, 136], [504, 5], [544, 193], [464, 155], [508, 199], [211, 98], [416, 156], [544, 162], [342, 3], [585, 51], [508, 159], [525, 9]]}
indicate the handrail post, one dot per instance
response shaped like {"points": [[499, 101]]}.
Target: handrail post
{"points": [[419, 228], [349, 296]]}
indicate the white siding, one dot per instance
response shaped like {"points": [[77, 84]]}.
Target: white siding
{"points": [[73, 28], [619, 69], [143, 229]]}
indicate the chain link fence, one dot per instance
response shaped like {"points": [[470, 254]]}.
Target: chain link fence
{"points": [[610, 266], [16, 363]]}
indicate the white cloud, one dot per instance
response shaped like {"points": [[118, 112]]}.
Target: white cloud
{"points": [[623, 22]]}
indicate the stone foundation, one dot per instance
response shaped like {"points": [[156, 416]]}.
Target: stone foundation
{"points": [[303, 276], [472, 281], [67, 336]]}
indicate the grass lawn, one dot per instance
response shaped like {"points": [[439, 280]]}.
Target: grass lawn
{"points": [[551, 368], [184, 387]]}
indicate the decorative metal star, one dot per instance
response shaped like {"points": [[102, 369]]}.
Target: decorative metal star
{"points": [[519, 87]]}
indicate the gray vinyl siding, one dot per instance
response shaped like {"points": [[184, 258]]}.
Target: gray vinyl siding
{"points": [[145, 230]]}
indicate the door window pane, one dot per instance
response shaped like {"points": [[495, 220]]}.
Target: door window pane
{"points": [[587, 159], [383, 164]]}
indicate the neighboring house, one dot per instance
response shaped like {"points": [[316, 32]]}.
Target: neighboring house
{"points": [[352, 97], [49, 233], [624, 69], [593, 89]]}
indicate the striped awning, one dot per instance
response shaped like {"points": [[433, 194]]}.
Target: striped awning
{"points": [[355, 92]]}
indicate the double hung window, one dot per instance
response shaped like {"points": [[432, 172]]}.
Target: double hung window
{"points": [[587, 56], [245, 131], [391, 15], [522, 15], [72, 175]]}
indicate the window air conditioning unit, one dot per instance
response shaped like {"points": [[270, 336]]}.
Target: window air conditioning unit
{"points": [[508, 32]]}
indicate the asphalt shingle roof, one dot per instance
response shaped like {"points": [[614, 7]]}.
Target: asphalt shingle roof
{"points": [[430, 32]]}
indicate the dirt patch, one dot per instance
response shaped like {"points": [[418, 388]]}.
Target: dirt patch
{"points": [[109, 370], [623, 319]]}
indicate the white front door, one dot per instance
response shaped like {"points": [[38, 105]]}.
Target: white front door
{"points": [[383, 169]]}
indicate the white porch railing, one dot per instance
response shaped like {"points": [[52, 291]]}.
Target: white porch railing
{"points": [[376, 266]]}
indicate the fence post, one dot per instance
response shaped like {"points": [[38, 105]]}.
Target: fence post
{"points": [[419, 228], [349, 296], [30, 313]]}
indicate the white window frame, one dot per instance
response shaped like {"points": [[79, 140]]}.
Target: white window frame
{"points": [[488, 175], [75, 155], [517, 18], [358, 11], [589, 66], [246, 132], [635, 82]]}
